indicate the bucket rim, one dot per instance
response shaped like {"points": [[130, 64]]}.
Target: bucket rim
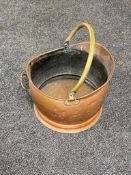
{"points": [[35, 58]]}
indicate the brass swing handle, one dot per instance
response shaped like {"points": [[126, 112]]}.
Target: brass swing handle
{"points": [[89, 58]]}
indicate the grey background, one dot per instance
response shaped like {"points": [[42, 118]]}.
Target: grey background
{"points": [[26, 146]]}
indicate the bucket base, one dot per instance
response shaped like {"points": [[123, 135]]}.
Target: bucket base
{"points": [[67, 128]]}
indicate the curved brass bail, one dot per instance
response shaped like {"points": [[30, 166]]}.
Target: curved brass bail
{"points": [[90, 56]]}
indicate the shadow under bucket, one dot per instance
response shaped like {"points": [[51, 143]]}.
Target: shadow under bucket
{"points": [[53, 74]]}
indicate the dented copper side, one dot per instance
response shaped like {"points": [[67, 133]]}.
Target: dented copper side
{"points": [[56, 113]]}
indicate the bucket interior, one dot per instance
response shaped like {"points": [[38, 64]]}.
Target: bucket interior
{"points": [[57, 72]]}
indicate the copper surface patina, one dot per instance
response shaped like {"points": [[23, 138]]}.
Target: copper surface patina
{"points": [[76, 113]]}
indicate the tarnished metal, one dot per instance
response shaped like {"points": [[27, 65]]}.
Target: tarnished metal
{"points": [[91, 52], [85, 110]]}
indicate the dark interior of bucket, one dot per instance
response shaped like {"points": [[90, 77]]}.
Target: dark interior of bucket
{"points": [[57, 72]]}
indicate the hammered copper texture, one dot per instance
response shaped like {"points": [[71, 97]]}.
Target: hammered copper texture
{"points": [[74, 115], [28, 28]]}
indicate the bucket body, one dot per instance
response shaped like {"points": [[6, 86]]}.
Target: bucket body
{"points": [[57, 113]]}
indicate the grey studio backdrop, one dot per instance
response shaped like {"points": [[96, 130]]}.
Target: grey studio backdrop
{"points": [[28, 28]]}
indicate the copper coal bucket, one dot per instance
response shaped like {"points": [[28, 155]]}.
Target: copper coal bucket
{"points": [[68, 85]]}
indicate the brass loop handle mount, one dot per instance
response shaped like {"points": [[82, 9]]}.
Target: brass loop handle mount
{"points": [[23, 76], [89, 58]]}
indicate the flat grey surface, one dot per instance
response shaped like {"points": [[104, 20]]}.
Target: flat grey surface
{"points": [[26, 146]]}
